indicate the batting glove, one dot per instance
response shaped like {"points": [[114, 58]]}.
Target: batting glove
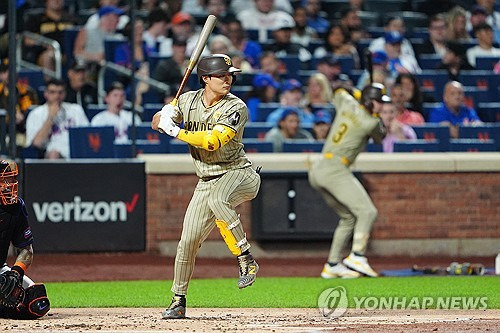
{"points": [[168, 126], [169, 110]]}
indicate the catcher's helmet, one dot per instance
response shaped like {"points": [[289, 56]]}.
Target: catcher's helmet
{"points": [[374, 91], [8, 182], [216, 64]]}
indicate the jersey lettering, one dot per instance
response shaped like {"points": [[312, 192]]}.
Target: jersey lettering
{"points": [[341, 132]]}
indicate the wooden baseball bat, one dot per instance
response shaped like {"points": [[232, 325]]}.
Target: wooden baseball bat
{"points": [[195, 56], [369, 63]]}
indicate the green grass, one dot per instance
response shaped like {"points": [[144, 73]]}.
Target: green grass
{"points": [[266, 292]]}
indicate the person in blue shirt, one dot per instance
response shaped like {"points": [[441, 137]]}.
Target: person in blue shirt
{"points": [[453, 112], [291, 96], [265, 90]]}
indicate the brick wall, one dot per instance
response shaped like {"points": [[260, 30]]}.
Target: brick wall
{"points": [[411, 205]]}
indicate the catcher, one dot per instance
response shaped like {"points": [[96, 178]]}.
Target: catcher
{"points": [[20, 297]]}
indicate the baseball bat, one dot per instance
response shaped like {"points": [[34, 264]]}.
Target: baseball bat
{"points": [[195, 56], [369, 63]]}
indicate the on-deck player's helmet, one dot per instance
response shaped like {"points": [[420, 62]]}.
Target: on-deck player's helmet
{"points": [[374, 91], [8, 182], [216, 64]]}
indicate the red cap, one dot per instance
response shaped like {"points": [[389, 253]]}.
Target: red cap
{"points": [[181, 17]]}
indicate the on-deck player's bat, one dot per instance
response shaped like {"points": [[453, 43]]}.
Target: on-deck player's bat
{"points": [[369, 63], [195, 56]]}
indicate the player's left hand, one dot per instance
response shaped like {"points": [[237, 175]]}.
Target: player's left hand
{"points": [[167, 126], [11, 289]]}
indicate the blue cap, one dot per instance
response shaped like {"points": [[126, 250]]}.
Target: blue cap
{"points": [[291, 85], [322, 116], [264, 80], [288, 111], [393, 37], [105, 10], [379, 58]]}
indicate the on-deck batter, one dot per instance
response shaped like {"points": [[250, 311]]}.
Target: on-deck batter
{"points": [[214, 120]]}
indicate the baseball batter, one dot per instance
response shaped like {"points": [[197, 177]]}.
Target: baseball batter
{"points": [[354, 124], [213, 127]]}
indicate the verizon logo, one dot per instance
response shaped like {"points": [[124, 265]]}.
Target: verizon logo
{"points": [[84, 211]]}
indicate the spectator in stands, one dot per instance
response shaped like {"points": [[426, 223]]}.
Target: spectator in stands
{"points": [[302, 33], [492, 15], [404, 115], [484, 35], [436, 43], [322, 124], [288, 129], [114, 115], [47, 126], [337, 43], [171, 70], [433, 7], [26, 98], [89, 44], [183, 27], [50, 24], [265, 90], [380, 63], [241, 5], [318, 91], [394, 24], [477, 16], [93, 20], [396, 131], [78, 90], [314, 19], [454, 60], [220, 44], [349, 19], [330, 67], [270, 64], [357, 4], [250, 49], [414, 98], [263, 17], [158, 21], [291, 96], [397, 61], [283, 45], [453, 112], [457, 30]]}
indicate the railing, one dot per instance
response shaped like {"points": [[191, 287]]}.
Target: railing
{"points": [[40, 40], [128, 72]]}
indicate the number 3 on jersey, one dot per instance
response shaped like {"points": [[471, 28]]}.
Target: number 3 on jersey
{"points": [[341, 132]]}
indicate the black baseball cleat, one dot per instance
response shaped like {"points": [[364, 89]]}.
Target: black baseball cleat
{"points": [[248, 270], [176, 309]]}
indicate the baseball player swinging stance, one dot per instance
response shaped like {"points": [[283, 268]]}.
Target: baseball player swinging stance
{"points": [[353, 125], [213, 127]]}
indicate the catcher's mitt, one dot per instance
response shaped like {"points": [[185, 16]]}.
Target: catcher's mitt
{"points": [[11, 289]]}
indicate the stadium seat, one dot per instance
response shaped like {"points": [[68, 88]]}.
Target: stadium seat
{"points": [[420, 32], [91, 142], [314, 44], [147, 134], [384, 6], [178, 147], [429, 61], [153, 96], [93, 109], [256, 130], [486, 63], [302, 146], [489, 112], [374, 148], [346, 63], [411, 19], [417, 146], [334, 7], [483, 132], [433, 133], [433, 82], [241, 91], [369, 19], [150, 109], [264, 109], [257, 146], [482, 80], [472, 145], [110, 45], [376, 32], [69, 37], [293, 66], [244, 79], [142, 147], [475, 95], [34, 78], [154, 59]]}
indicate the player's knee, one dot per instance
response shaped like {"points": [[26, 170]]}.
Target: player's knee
{"points": [[372, 213], [216, 203]]}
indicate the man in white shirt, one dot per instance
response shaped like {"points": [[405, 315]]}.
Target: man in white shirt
{"points": [[484, 35], [393, 24], [47, 126], [114, 115]]}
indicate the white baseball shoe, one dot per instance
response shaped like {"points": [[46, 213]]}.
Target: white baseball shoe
{"points": [[338, 271], [359, 264]]}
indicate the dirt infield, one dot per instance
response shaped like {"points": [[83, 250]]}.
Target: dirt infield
{"points": [[258, 320]]}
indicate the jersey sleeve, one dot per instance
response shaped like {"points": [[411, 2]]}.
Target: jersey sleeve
{"points": [[22, 236], [235, 117]]}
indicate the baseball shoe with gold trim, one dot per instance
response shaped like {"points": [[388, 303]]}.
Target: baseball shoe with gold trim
{"points": [[338, 271], [248, 270], [359, 264], [176, 309]]}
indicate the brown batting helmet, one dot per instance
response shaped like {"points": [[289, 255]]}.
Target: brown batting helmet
{"points": [[216, 64], [374, 91]]}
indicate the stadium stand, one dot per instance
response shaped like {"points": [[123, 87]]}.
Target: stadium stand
{"points": [[257, 146], [331, 7], [486, 63], [384, 6], [411, 19], [265, 109], [142, 147], [93, 109], [302, 146], [417, 146], [91, 142], [146, 133], [374, 148], [472, 145], [150, 109], [489, 112], [433, 133], [483, 132], [433, 82], [178, 147], [429, 61], [256, 130]]}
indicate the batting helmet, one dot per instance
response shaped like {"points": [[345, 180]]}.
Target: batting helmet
{"points": [[216, 64], [8, 182], [374, 91]]}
